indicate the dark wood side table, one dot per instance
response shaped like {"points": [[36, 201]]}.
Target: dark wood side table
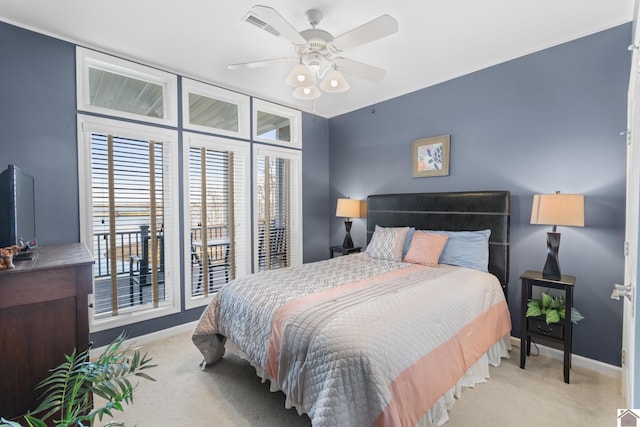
{"points": [[339, 249], [557, 335]]}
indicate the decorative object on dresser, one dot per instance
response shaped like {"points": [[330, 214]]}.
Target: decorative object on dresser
{"points": [[44, 315], [6, 257], [556, 209], [348, 208], [430, 156]]}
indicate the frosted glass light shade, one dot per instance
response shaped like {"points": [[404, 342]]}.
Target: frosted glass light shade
{"points": [[558, 209], [300, 76], [309, 92], [334, 82]]}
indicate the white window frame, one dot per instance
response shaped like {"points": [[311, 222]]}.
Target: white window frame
{"points": [[295, 123], [86, 59], [241, 220], [295, 169], [241, 101], [88, 125]]}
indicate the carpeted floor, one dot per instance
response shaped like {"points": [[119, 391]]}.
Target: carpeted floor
{"points": [[229, 394]]}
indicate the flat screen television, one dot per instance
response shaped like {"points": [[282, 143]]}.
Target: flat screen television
{"points": [[17, 207]]}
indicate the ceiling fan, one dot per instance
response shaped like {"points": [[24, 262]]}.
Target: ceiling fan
{"points": [[317, 52]]}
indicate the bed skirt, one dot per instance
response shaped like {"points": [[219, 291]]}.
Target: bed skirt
{"points": [[438, 414]]}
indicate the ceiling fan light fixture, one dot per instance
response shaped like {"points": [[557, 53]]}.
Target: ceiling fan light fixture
{"points": [[307, 93], [300, 76], [334, 82]]}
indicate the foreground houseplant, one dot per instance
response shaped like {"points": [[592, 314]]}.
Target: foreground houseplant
{"points": [[552, 308], [68, 390]]}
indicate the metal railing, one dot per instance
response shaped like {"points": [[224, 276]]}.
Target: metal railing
{"points": [[129, 243]]}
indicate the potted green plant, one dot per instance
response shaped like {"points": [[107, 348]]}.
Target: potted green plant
{"points": [[552, 308], [68, 390]]}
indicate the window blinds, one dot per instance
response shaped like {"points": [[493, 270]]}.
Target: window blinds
{"points": [[217, 190], [128, 198], [273, 210]]}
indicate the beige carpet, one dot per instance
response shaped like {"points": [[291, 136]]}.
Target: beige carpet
{"points": [[230, 394]]}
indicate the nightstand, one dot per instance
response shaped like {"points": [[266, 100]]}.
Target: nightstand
{"points": [[557, 335], [339, 249]]}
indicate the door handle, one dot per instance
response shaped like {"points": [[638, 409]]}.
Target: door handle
{"points": [[622, 291]]}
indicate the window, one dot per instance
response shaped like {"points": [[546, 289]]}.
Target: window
{"points": [[128, 218], [276, 124], [217, 214], [116, 87], [211, 109], [278, 208]]}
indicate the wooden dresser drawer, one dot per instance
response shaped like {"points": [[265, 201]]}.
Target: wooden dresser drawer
{"points": [[538, 325]]}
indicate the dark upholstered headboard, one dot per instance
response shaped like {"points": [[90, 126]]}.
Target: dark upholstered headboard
{"points": [[457, 211]]}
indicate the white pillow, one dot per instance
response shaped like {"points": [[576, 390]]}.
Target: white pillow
{"points": [[387, 242]]}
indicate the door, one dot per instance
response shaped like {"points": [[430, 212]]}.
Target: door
{"points": [[631, 358]]}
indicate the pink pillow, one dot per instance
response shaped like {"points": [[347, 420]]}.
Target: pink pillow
{"points": [[426, 248]]}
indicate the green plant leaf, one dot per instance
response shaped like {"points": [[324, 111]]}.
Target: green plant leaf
{"points": [[533, 311], [575, 315], [546, 300], [556, 302], [561, 312], [67, 391], [4, 423], [552, 316]]}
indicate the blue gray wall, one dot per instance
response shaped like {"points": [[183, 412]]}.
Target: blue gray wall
{"points": [[543, 122], [38, 126], [315, 187]]}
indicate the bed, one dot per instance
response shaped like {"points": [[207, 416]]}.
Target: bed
{"points": [[369, 339]]}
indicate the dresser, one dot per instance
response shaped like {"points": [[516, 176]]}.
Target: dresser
{"points": [[43, 316]]}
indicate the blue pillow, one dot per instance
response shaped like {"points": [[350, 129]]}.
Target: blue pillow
{"points": [[407, 241], [466, 249]]}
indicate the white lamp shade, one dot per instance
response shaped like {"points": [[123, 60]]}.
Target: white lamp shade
{"points": [[558, 209], [309, 92], [334, 82], [348, 208], [300, 76]]}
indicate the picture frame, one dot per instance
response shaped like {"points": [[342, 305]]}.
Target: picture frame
{"points": [[430, 156]]}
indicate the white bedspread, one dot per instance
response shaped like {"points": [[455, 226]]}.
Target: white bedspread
{"points": [[357, 341]]}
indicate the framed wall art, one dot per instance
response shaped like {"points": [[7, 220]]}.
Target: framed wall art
{"points": [[430, 156]]}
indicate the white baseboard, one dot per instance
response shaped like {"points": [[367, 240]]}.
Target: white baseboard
{"points": [[154, 336], [576, 360]]}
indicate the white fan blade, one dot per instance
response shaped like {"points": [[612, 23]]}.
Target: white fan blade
{"points": [[263, 63], [271, 21], [358, 69], [373, 30]]}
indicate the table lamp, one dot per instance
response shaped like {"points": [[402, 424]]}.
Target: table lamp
{"points": [[556, 209], [348, 208]]}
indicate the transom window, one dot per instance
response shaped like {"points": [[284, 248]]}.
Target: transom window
{"points": [[120, 88], [211, 109]]}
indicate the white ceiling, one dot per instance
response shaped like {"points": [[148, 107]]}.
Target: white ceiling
{"points": [[437, 39]]}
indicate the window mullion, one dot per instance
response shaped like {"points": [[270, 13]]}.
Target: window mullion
{"points": [[154, 230], [112, 227]]}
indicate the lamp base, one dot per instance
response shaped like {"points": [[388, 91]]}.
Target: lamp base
{"points": [[347, 243], [551, 266]]}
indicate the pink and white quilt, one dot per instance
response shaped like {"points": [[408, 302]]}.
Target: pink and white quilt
{"points": [[360, 341]]}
